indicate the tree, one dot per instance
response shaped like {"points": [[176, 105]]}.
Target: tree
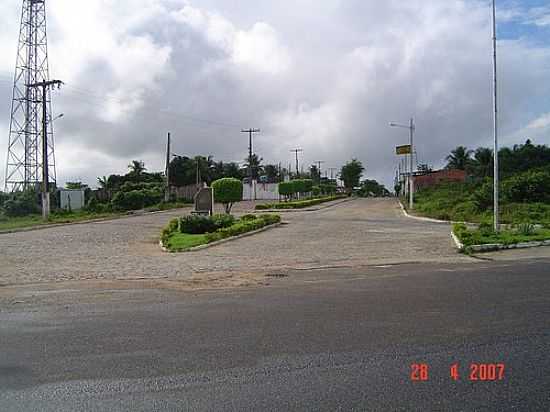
{"points": [[482, 165], [424, 168], [137, 168], [373, 188], [351, 174], [228, 191], [103, 182], [254, 163], [460, 158], [272, 173], [314, 174], [75, 185], [232, 170]]}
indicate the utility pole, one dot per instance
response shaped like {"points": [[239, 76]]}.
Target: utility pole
{"points": [[411, 128], [45, 85], [319, 163], [167, 193], [296, 151], [250, 132], [495, 124]]}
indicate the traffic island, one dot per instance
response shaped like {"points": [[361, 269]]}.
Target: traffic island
{"points": [[485, 239], [192, 233]]}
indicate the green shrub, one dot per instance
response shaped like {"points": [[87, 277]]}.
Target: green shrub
{"points": [[228, 191], [133, 200], [248, 217], [22, 204], [530, 186], [286, 189], [270, 219], [298, 204], [222, 221], [526, 229], [197, 225], [172, 227], [315, 190]]}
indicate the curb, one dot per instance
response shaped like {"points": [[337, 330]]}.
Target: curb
{"points": [[494, 247], [83, 222], [304, 209], [219, 242], [425, 219]]}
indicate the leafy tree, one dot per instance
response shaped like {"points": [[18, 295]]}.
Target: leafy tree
{"points": [[232, 170], [460, 158], [373, 188], [228, 191], [314, 174], [351, 174]]}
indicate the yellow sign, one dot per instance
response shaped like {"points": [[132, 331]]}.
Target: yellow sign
{"points": [[403, 150]]}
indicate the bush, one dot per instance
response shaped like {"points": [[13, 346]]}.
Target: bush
{"points": [[222, 221], [228, 191], [526, 229], [133, 200], [531, 186], [248, 217], [286, 189], [172, 227], [197, 225], [22, 204], [297, 204], [315, 190]]}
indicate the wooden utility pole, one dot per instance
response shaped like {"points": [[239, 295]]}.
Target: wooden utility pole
{"points": [[296, 151], [250, 132], [45, 167], [167, 193]]}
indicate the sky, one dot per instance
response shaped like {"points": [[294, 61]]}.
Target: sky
{"points": [[326, 76]]}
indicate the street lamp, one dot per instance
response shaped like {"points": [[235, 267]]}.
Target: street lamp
{"points": [[411, 128], [59, 116], [495, 123]]}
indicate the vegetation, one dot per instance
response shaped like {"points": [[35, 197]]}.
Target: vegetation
{"points": [[524, 191], [351, 174], [298, 204], [295, 188], [185, 233], [371, 188], [228, 191], [485, 235]]}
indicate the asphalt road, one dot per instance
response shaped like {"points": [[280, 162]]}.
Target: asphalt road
{"points": [[315, 340]]}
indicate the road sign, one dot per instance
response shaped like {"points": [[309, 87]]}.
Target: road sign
{"points": [[403, 150]]}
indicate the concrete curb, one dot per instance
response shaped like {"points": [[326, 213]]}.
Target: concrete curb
{"points": [[83, 222], [422, 219], [494, 247], [322, 206], [219, 242]]}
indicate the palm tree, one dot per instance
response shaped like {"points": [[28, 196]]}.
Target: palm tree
{"points": [[103, 182], [137, 167], [459, 158], [254, 164], [483, 162]]}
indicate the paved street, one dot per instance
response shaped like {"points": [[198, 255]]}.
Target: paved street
{"points": [[361, 232], [317, 340], [338, 304]]}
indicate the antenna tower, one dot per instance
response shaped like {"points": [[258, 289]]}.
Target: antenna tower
{"points": [[25, 149]]}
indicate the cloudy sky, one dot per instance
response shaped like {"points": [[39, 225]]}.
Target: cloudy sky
{"points": [[323, 75]]}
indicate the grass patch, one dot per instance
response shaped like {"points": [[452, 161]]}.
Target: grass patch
{"points": [[178, 242], [175, 240], [299, 204], [484, 235]]}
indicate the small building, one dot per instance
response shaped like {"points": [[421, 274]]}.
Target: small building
{"points": [[434, 178], [72, 199]]}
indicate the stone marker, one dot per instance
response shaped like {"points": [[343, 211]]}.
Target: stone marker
{"points": [[204, 202]]}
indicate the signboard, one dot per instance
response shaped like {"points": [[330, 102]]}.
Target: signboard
{"points": [[403, 150]]}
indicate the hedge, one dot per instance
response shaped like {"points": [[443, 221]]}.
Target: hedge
{"points": [[298, 204]]}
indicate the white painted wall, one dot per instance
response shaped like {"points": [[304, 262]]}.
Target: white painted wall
{"points": [[261, 191]]}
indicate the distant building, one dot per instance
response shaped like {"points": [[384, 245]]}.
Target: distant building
{"points": [[434, 178]]}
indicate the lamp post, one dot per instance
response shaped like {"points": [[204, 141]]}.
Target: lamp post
{"points": [[495, 124], [411, 128]]}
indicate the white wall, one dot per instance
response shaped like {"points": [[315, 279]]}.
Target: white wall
{"points": [[261, 191]]}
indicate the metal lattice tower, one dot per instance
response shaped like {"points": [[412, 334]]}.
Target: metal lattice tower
{"points": [[24, 162]]}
